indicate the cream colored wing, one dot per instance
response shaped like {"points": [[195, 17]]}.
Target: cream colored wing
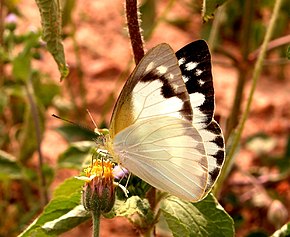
{"points": [[154, 89], [166, 152]]}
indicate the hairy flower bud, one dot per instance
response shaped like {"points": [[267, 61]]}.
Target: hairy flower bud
{"points": [[99, 189]]}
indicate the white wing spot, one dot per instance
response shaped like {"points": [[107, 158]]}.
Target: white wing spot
{"points": [[171, 76], [201, 82], [149, 67], [181, 61], [190, 66], [198, 72], [185, 78], [161, 69]]}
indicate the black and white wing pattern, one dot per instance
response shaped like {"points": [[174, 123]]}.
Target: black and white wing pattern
{"points": [[195, 64], [162, 127]]}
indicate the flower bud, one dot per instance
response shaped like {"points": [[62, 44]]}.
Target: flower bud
{"points": [[10, 22], [277, 214], [99, 189]]}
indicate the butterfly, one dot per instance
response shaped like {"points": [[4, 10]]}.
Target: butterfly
{"points": [[162, 127]]}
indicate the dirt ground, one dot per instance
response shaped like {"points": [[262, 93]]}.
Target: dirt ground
{"points": [[104, 54]]}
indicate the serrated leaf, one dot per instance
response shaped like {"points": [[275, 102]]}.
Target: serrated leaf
{"points": [[75, 155], [50, 13], [62, 213], [203, 219], [209, 7], [9, 167], [283, 232]]}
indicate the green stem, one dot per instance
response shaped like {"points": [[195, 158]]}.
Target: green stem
{"points": [[1, 40], [96, 223], [243, 66], [256, 75], [35, 118], [216, 25]]}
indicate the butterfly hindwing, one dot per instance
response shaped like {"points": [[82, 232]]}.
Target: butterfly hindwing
{"points": [[167, 153]]}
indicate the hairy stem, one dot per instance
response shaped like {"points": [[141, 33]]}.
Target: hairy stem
{"points": [[96, 223], [134, 30]]}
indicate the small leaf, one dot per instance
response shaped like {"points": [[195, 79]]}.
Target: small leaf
{"points": [[148, 15], [209, 7], [63, 212], [204, 218], [76, 154], [28, 138], [50, 13], [136, 210], [283, 232], [9, 167], [73, 133]]}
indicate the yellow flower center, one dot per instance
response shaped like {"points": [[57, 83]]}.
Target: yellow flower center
{"points": [[100, 168]]}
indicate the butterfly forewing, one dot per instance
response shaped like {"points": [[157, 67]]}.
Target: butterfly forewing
{"points": [[155, 88], [195, 64]]}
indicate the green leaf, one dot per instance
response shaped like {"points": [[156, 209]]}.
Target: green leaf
{"points": [[73, 132], [28, 138], [148, 15], [283, 232], [136, 210], [288, 52], [9, 167], [50, 13], [63, 212], [22, 66], [209, 7], [204, 218], [76, 154]]}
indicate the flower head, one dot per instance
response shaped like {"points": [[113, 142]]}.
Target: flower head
{"points": [[99, 189]]}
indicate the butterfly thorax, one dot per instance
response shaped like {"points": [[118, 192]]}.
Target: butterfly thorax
{"points": [[109, 147]]}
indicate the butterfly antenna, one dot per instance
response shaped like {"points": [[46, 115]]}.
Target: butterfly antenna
{"points": [[92, 119], [71, 122]]}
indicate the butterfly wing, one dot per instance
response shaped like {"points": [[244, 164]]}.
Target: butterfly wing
{"points": [[166, 152], [155, 88], [195, 64], [154, 104]]}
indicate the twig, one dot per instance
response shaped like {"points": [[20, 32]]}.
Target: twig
{"points": [[256, 75], [35, 117], [272, 45]]}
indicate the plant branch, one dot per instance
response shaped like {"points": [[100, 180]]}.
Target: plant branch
{"points": [[272, 45], [256, 75], [35, 118], [134, 30], [243, 67]]}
